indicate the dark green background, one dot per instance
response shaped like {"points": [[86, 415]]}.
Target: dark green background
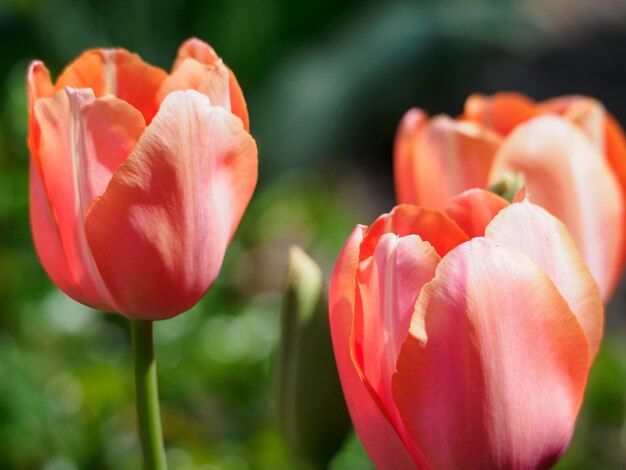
{"points": [[326, 84]]}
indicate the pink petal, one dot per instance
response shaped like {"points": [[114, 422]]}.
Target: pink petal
{"points": [[493, 372], [545, 240], [199, 50], [405, 155], [210, 80], [116, 72], [432, 226], [159, 232], [449, 158], [378, 436], [568, 177], [83, 141], [47, 239], [194, 48], [388, 285], [586, 113], [474, 209]]}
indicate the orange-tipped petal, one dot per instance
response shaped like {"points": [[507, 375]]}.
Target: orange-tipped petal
{"points": [[501, 112], [568, 177], [200, 51], [432, 226], [451, 157], [493, 372], [474, 209], [405, 155], [83, 141], [210, 80], [381, 441], [545, 240], [38, 85], [116, 72], [159, 232], [388, 285], [615, 152]]}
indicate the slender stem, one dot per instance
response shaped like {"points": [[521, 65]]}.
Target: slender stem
{"points": [[147, 395]]}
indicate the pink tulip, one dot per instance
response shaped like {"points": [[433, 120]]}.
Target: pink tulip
{"points": [[138, 178], [571, 152], [464, 337]]}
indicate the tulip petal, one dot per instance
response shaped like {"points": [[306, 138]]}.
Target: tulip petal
{"points": [[47, 240], [83, 141], [117, 72], [380, 439], [160, 231], [199, 50], [451, 157], [404, 155], [474, 209], [490, 376], [38, 85], [501, 112], [210, 80], [432, 226], [544, 239], [615, 151], [586, 113], [568, 177], [388, 285]]}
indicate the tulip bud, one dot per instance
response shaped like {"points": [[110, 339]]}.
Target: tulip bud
{"points": [[309, 401]]}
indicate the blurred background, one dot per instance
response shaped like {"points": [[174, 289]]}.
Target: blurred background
{"points": [[326, 84]]}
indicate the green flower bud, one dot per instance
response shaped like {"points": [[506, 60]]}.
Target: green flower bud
{"points": [[309, 400]]}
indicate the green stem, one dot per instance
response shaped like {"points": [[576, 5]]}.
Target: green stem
{"points": [[147, 395]]}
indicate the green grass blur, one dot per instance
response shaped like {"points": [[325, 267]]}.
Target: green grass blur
{"points": [[326, 84]]}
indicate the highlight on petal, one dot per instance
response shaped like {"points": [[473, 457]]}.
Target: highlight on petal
{"points": [[432, 226], [201, 52], [83, 141], [116, 72], [382, 442], [388, 284], [405, 155], [479, 346], [501, 112], [451, 157], [159, 232], [545, 240], [568, 177], [474, 209]]}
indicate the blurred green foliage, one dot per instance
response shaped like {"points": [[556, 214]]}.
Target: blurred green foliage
{"points": [[326, 84]]}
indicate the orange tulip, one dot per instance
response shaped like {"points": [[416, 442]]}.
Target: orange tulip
{"points": [[571, 152], [464, 337], [138, 178]]}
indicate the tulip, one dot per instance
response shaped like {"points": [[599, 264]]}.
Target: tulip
{"points": [[464, 336], [138, 177], [570, 151]]}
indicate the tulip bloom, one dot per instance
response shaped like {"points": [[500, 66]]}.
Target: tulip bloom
{"points": [[138, 177], [571, 152], [464, 337]]}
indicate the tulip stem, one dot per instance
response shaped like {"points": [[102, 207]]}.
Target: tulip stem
{"points": [[147, 395]]}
